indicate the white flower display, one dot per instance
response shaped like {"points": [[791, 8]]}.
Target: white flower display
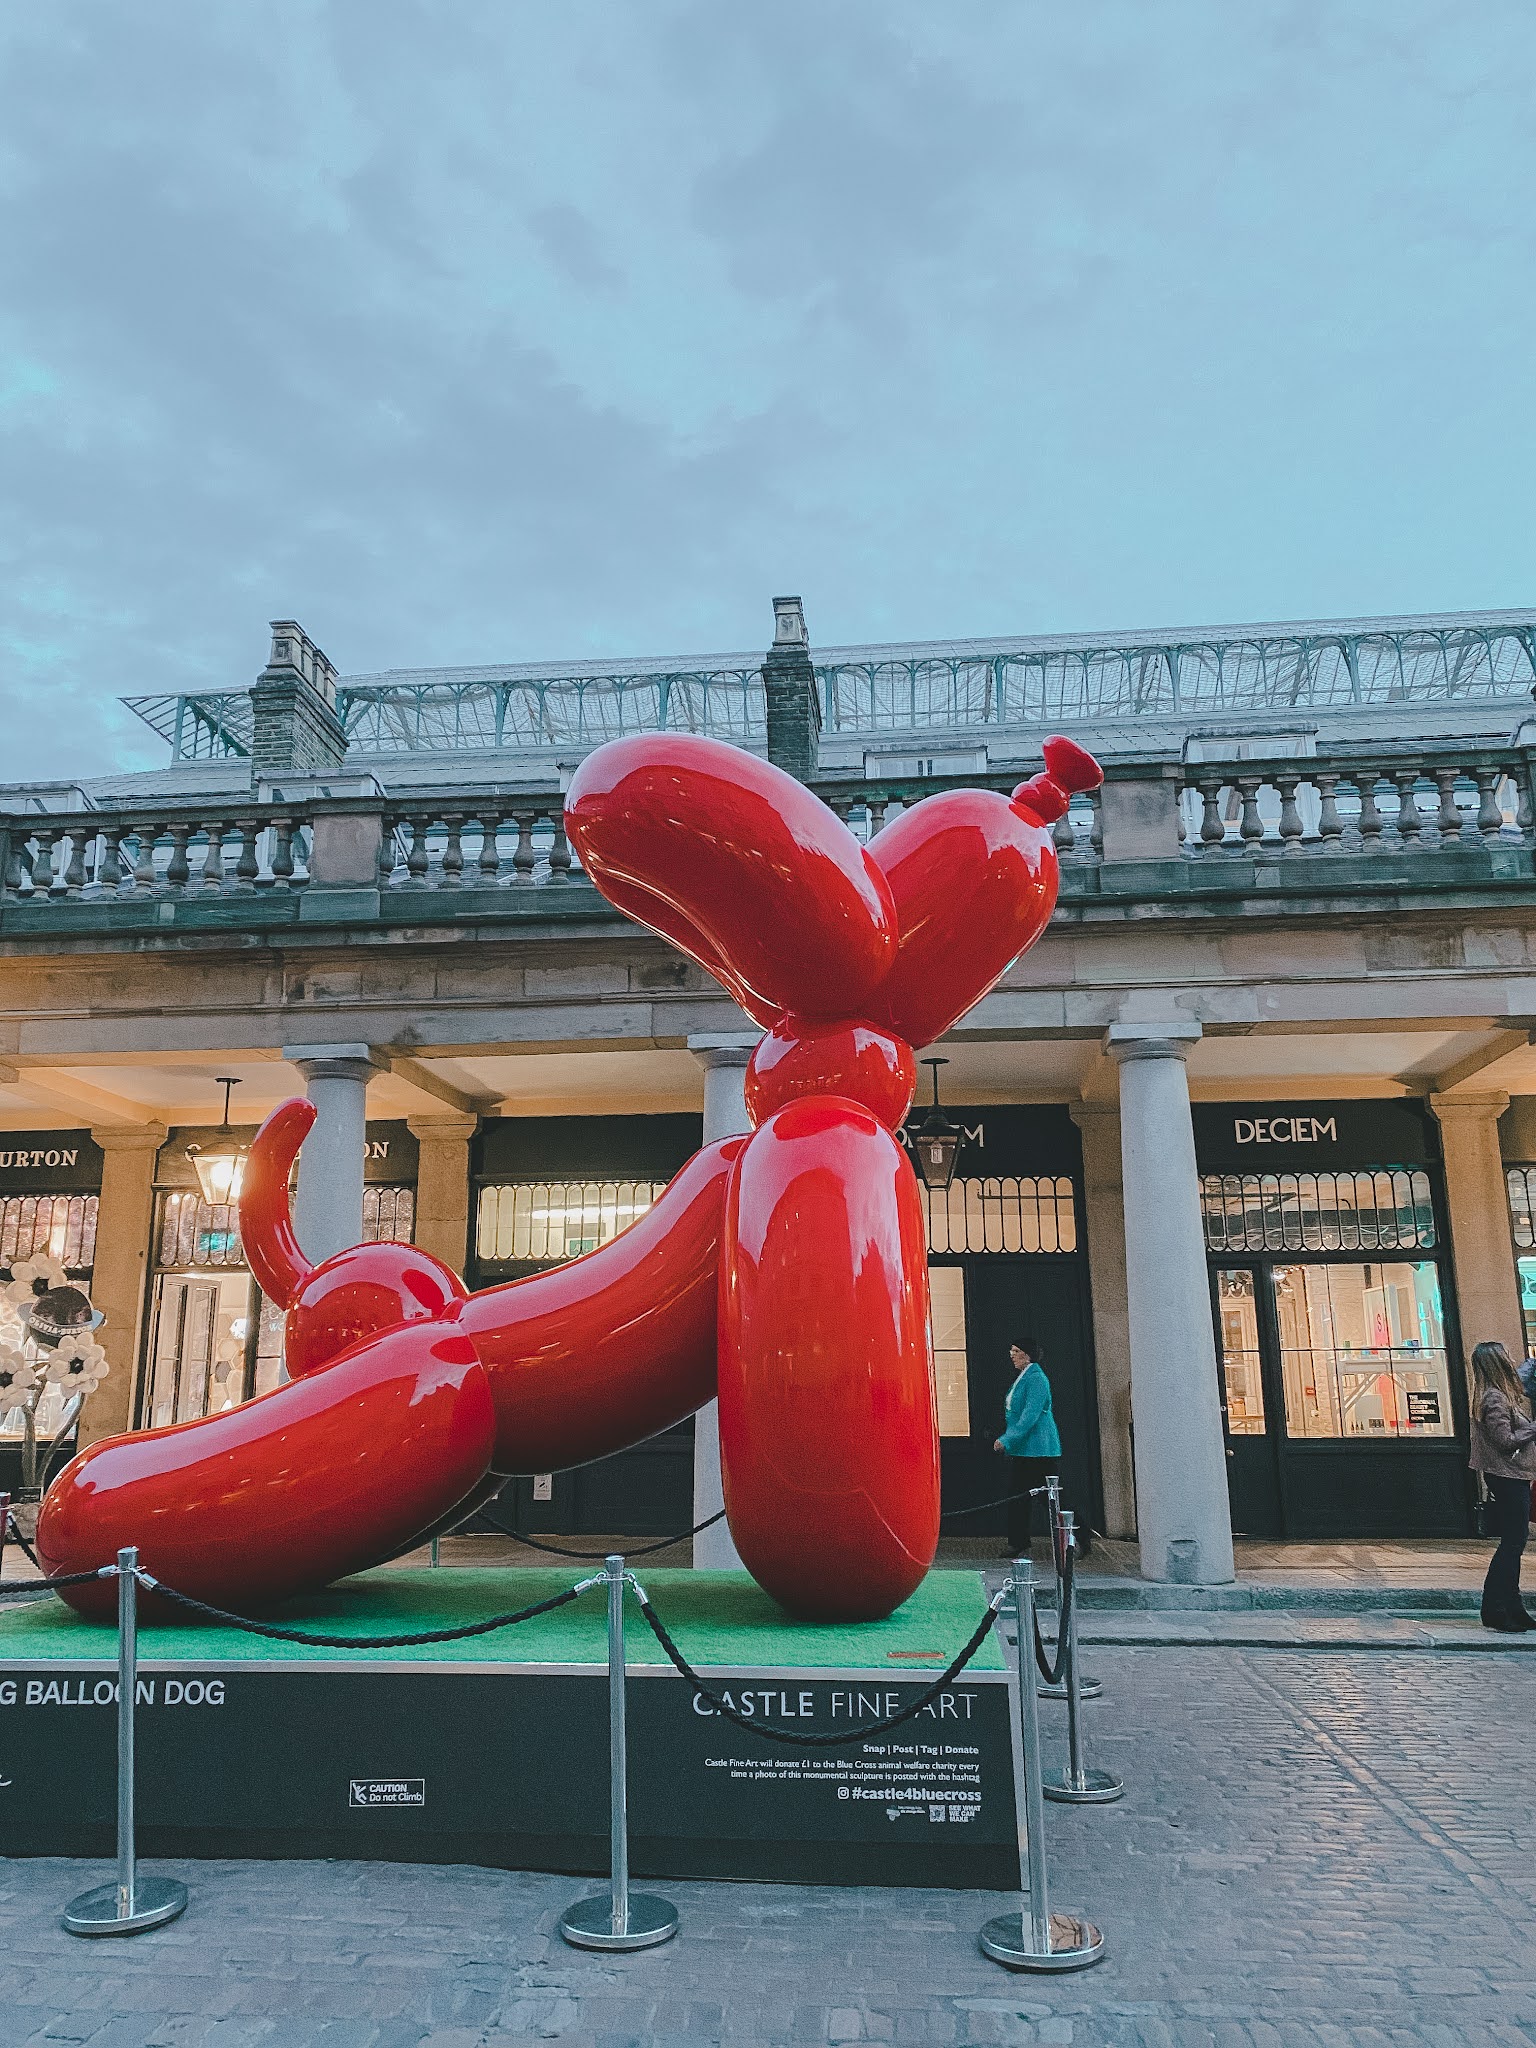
{"points": [[78, 1366], [18, 1376], [27, 1280]]}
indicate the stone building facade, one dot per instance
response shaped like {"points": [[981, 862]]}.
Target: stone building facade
{"points": [[1248, 1145]]}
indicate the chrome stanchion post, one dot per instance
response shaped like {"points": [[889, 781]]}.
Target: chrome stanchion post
{"points": [[1035, 1938], [133, 1902], [5, 1528], [1087, 1688], [434, 1553], [1077, 1785], [621, 1919]]}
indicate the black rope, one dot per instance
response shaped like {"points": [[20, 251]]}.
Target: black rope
{"points": [[47, 1585], [319, 1642], [791, 1738], [15, 1536], [1053, 1674], [597, 1556], [953, 1514]]}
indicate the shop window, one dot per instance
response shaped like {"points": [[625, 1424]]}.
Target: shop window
{"points": [[545, 1222], [1521, 1181], [1528, 1303], [1023, 1215], [946, 1324], [63, 1226], [389, 1213], [1238, 1311], [195, 1233], [1384, 1209], [1362, 1351]]}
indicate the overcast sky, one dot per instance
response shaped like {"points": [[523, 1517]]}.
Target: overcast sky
{"points": [[479, 330]]}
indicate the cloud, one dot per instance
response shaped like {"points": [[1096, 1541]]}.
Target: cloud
{"points": [[497, 331]]}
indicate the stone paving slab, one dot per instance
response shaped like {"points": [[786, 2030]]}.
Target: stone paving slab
{"points": [[1313, 1852], [1278, 1631]]}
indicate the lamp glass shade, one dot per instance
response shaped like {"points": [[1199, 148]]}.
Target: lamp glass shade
{"points": [[935, 1152], [219, 1169]]}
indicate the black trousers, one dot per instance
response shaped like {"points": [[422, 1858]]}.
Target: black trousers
{"points": [[1023, 1475], [1501, 1588]]}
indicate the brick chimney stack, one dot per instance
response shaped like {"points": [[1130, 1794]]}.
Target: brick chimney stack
{"points": [[294, 707], [789, 681]]}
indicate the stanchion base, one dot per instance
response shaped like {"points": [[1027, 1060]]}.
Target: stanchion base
{"points": [[589, 1922], [1087, 1689], [155, 1901], [1088, 1788], [1075, 1943]]}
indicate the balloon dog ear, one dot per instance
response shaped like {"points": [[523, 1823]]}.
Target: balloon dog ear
{"points": [[739, 865]]}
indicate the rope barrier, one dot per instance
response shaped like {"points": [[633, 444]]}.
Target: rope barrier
{"points": [[954, 1514], [397, 1642], [1053, 1674], [46, 1585], [597, 1556], [791, 1738]]}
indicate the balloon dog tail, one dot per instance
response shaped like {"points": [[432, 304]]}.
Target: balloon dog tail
{"points": [[266, 1220]]}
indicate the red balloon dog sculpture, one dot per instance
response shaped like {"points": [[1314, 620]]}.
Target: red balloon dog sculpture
{"points": [[786, 1269]]}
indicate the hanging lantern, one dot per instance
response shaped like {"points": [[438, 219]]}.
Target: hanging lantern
{"points": [[220, 1167], [936, 1141]]}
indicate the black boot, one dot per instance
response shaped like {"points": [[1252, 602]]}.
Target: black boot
{"points": [[1513, 1623]]}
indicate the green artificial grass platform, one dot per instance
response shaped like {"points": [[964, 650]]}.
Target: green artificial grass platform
{"points": [[716, 1618]]}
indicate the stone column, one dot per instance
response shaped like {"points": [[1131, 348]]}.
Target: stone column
{"points": [[125, 1218], [1104, 1200], [724, 1058], [1183, 1518], [1482, 1249], [328, 1210], [442, 1186]]}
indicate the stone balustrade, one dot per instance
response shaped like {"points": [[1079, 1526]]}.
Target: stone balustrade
{"points": [[510, 843], [1380, 802], [1154, 825], [179, 852]]}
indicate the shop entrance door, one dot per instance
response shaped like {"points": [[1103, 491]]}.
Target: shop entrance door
{"points": [[1342, 1416], [1244, 1351], [1039, 1300]]}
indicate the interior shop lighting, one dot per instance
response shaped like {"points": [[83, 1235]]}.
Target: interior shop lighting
{"points": [[937, 1141], [220, 1167]]}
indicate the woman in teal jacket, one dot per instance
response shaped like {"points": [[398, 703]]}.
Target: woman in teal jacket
{"points": [[1030, 1441]]}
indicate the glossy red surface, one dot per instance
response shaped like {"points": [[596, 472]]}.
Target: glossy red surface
{"points": [[361, 1292], [619, 1344], [793, 1261], [828, 1443], [796, 1060], [292, 1490], [740, 866], [974, 878], [266, 1219]]}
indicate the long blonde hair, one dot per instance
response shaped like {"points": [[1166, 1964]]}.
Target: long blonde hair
{"points": [[1493, 1370]]}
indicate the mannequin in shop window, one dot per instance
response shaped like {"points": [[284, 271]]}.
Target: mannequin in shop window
{"points": [[1030, 1441], [1504, 1453]]}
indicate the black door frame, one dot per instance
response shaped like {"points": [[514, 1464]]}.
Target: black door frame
{"points": [[1283, 1446], [975, 1265]]}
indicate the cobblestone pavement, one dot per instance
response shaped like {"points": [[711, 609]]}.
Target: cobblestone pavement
{"points": [[1334, 1848]]}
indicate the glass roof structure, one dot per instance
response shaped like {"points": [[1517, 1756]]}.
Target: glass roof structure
{"points": [[926, 687]]}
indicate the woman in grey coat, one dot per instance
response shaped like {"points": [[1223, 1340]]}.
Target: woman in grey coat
{"points": [[1504, 1452]]}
